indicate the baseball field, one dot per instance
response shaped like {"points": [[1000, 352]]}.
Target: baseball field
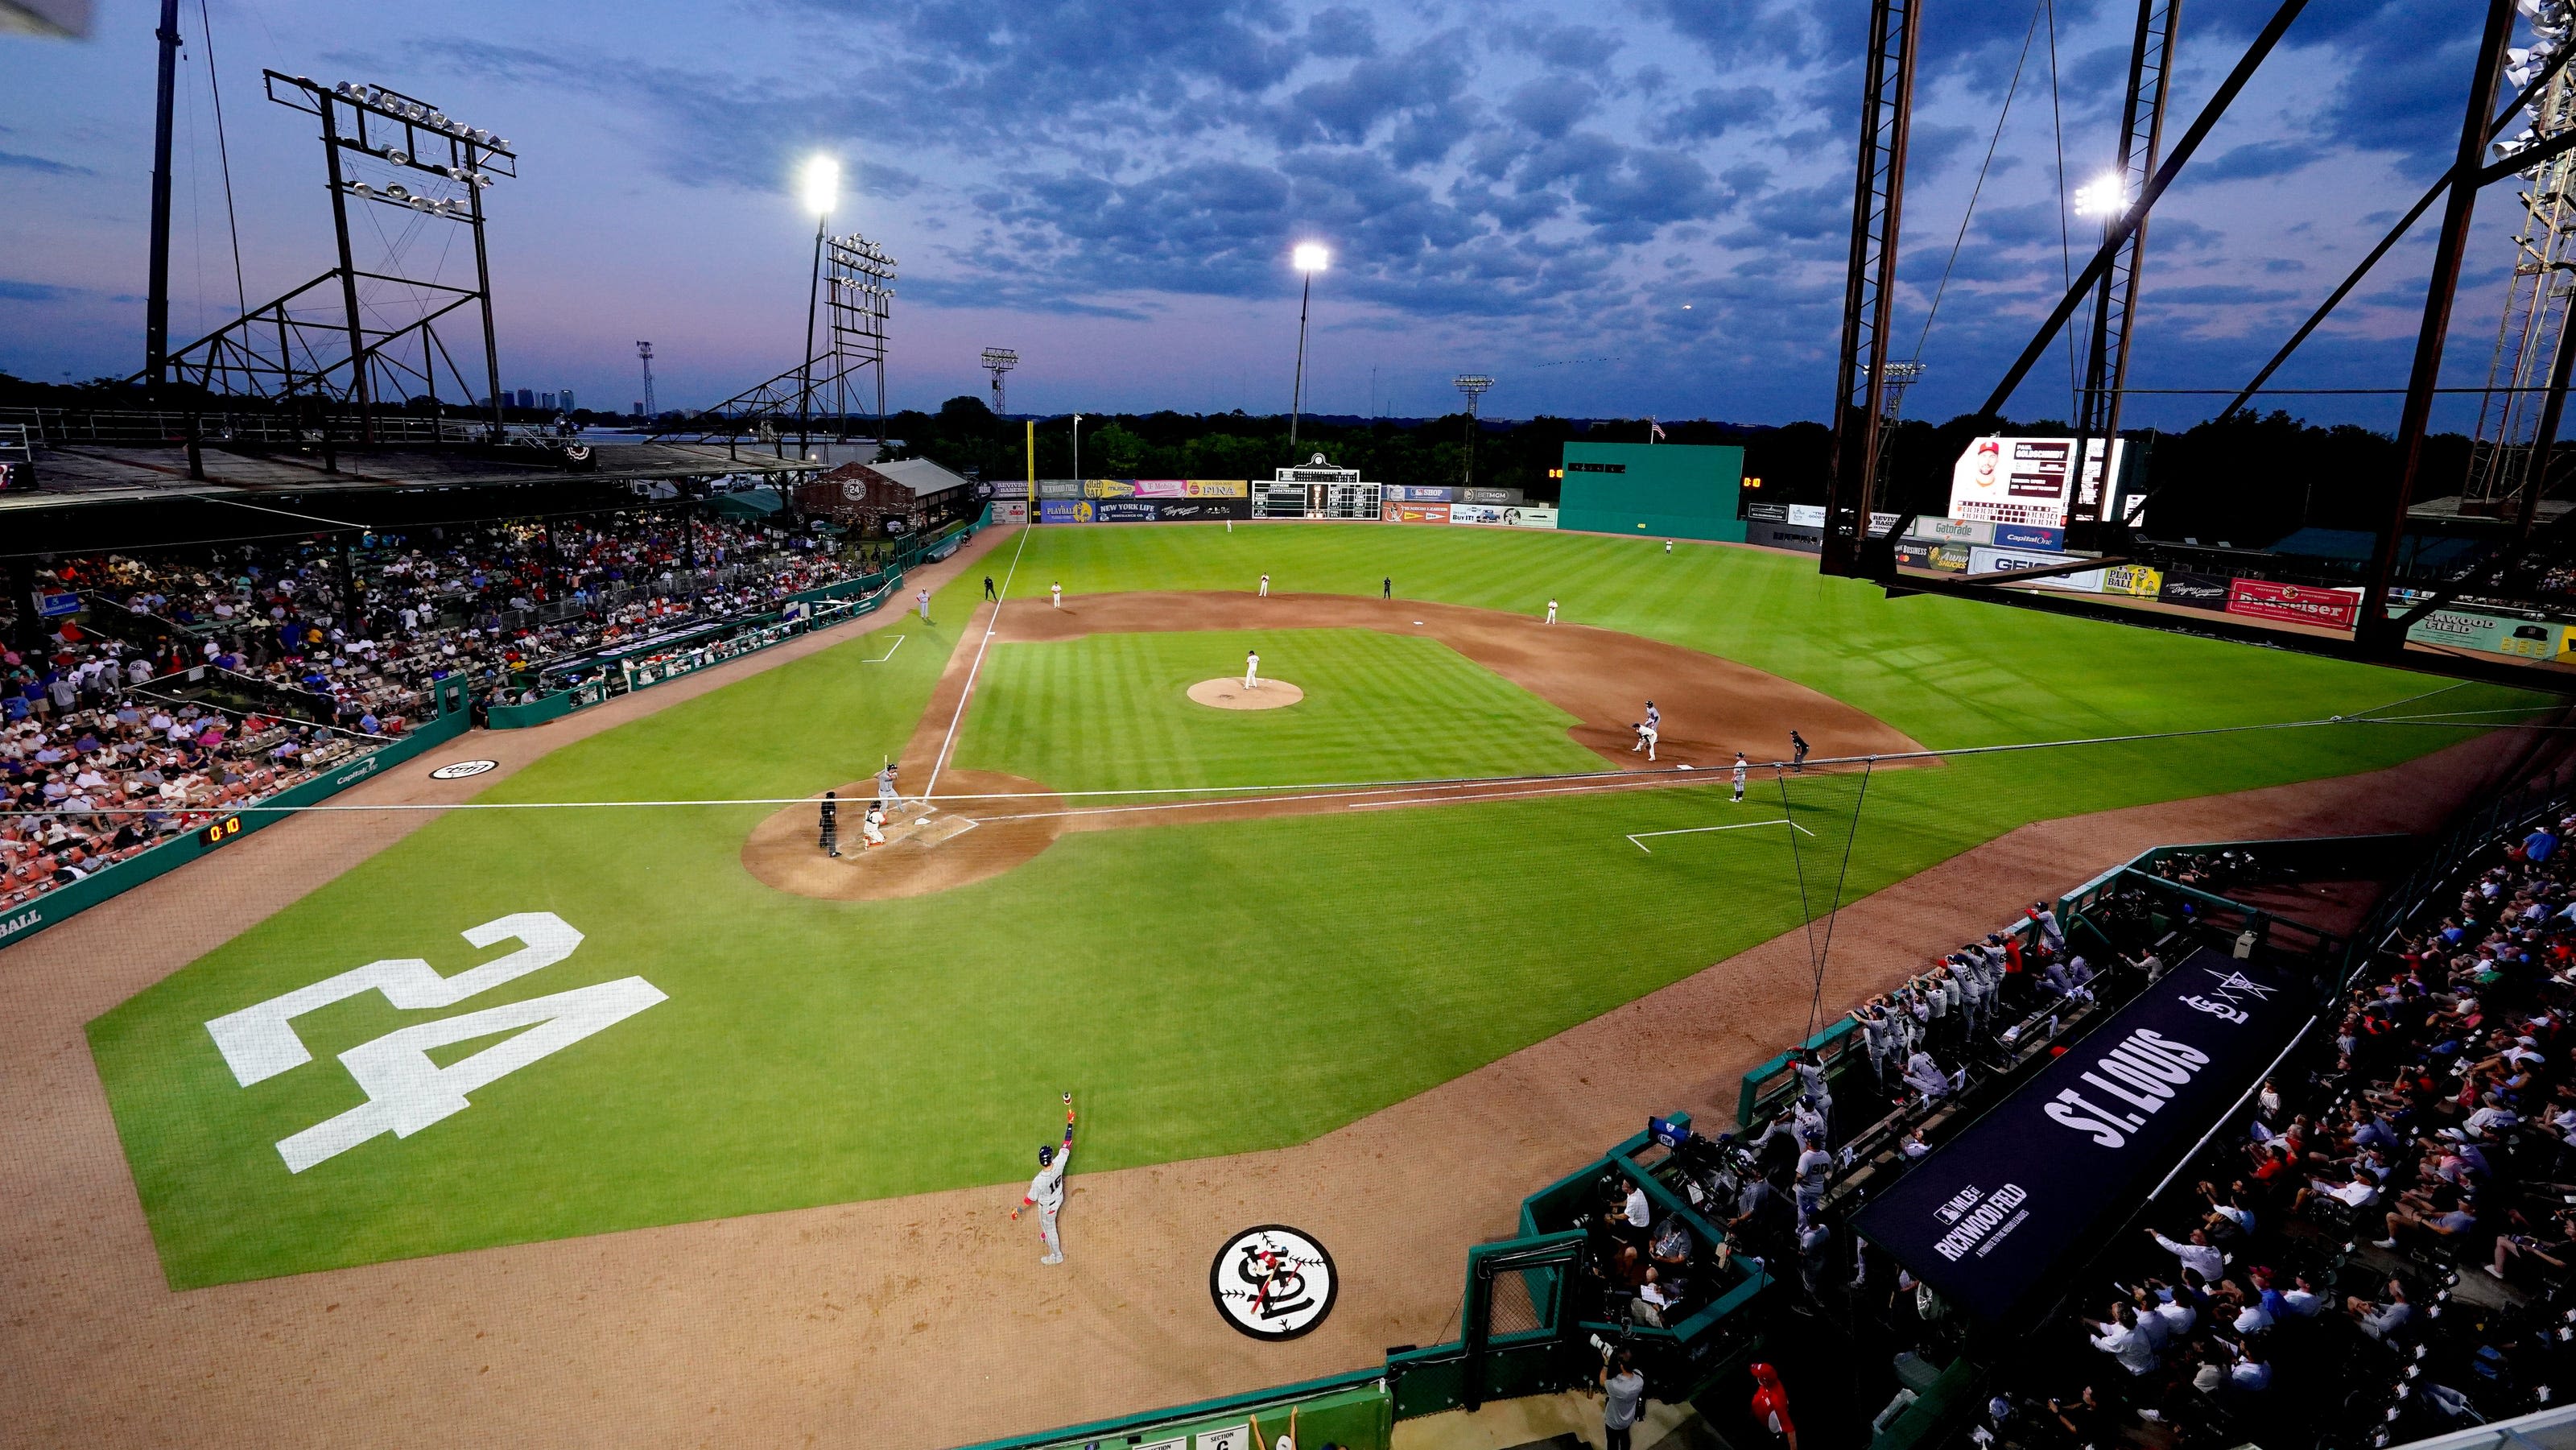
{"points": [[683, 1010]]}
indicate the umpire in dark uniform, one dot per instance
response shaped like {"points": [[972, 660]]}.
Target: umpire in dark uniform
{"points": [[831, 824]]}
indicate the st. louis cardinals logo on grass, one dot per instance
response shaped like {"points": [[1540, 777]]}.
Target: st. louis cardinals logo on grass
{"points": [[1273, 1282]]}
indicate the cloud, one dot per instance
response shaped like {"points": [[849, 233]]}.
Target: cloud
{"points": [[1711, 112], [42, 166], [2253, 161]]}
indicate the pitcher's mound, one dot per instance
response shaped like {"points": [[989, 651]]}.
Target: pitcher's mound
{"points": [[1229, 694]]}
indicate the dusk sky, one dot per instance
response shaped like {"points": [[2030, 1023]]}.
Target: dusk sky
{"points": [[1623, 208]]}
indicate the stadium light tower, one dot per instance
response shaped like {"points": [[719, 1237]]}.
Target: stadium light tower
{"points": [[1309, 258], [1474, 386], [644, 351], [820, 182], [997, 361]]}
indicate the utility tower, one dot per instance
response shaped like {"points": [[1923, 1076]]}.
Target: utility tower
{"points": [[1474, 386], [644, 350], [997, 361]]}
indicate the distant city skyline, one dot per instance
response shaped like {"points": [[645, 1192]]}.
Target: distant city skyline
{"points": [[1640, 212]]}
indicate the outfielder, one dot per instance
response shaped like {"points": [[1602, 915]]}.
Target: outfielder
{"points": [[1551, 611], [1252, 669], [1265, 584], [1740, 769], [1046, 1191]]}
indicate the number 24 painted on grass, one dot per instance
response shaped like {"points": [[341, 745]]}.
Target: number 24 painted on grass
{"points": [[406, 1091]]}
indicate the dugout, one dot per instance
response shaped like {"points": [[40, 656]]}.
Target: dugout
{"points": [[1653, 490]]}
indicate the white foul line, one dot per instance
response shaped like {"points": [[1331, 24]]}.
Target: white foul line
{"points": [[890, 649], [1695, 830], [972, 670]]}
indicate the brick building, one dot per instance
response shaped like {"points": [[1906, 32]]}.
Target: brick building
{"points": [[879, 500]]}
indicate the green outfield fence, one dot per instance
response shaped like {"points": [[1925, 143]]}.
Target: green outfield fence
{"points": [[54, 907]]}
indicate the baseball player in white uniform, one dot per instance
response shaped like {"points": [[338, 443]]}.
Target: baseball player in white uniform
{"points": [[1551, 611], [1252, 669], [1654, 717], [1265, 586], [872, 826], [886, 793], [923, 598], [1055, 594], [1645, 740], [1046, 1191], [1740, 769]]}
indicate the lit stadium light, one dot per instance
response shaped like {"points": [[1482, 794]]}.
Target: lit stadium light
{"points": [[821, 183], [2106, 196], [1311, 257]]}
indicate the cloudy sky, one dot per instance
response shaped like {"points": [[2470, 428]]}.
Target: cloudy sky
{"points": [[1616, 208]]}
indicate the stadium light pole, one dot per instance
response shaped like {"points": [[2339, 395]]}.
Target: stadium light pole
{"points": [[1077, 445], [1309, 258], [821, 183]]}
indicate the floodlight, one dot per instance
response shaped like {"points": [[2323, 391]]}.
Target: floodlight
{"points": [[1310, 257], [2106, 196], [821, 181], [398, 191], [396, 155]]}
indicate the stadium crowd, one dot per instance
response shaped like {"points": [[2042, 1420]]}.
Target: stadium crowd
{"points": [[195, 681], [2386, 1250]]}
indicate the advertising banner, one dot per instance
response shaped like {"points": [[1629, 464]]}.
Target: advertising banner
{"points": [[2026, 480], [1918, 555], [1414, 513], [1984, 559], [1184, 510], [2025, 536], [1063, 511], [2139, 581], [2194, 591], [1109, 488], [1010, 511], [1529, 516], [1767, 513], [1162, 488], [1806, 516], [2494, 633], [1417, 493], [1489, 495], [1952, 531], [1999, 1219], [1123, 511], [1475, 513], [1216, 488], [2294, 603], [1059, 488]]}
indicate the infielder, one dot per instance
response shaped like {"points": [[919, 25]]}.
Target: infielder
{"points": [[1265, 586], [1740, 769], [831, 841], [1046, 1191], [1551, 611], [1645, 740], [1055, 594], [1252, 669]]}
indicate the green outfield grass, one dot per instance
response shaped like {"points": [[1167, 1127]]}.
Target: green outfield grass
{"points": [[1209, 988], [1110, 712]]}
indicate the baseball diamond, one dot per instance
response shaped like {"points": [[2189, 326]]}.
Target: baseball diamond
{"points": [[711, 1022]]}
